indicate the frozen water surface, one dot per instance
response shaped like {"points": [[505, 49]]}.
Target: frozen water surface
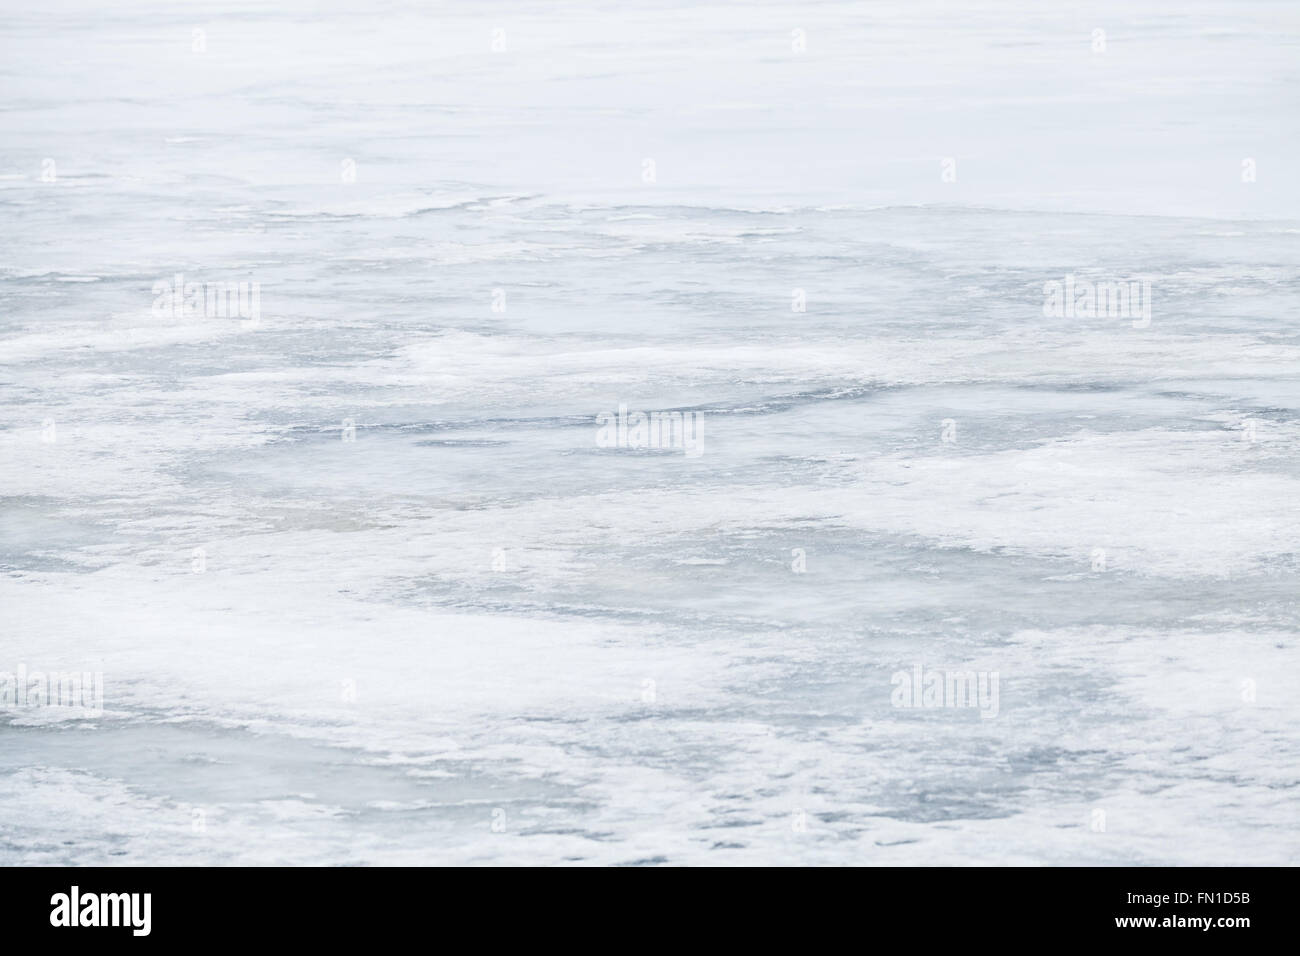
{"points": [[475, 635]]}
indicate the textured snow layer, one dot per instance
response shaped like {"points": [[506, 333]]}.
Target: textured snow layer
{"points": [[473, 634]]}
